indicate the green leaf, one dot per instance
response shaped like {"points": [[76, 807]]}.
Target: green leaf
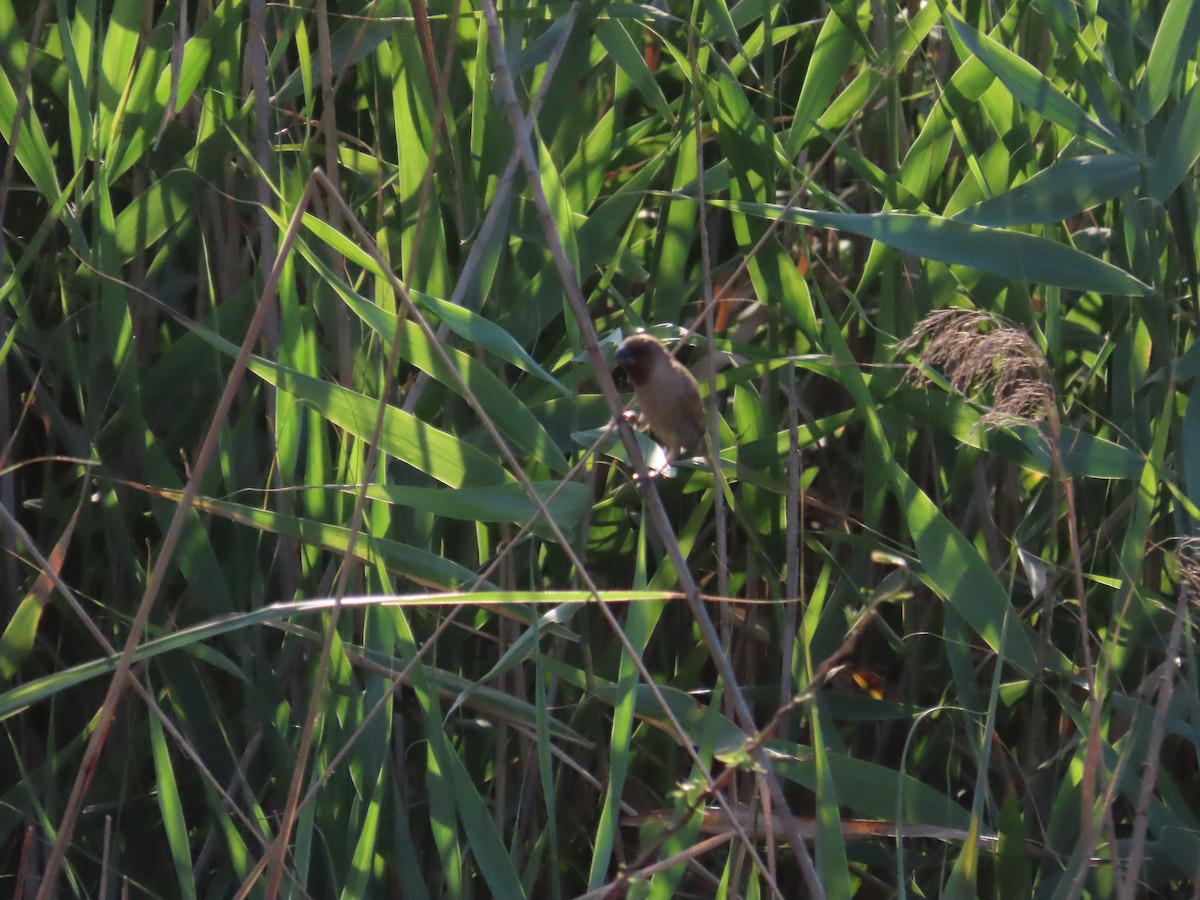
{"points": [[871, 789], [116, 68], [350, 44], [141, 111], [1082, 453], [415, 564], [692, 715], [670, 262], [413, 121], [485, 841], [170, 804], [193, 638], [955, 570], [831, 844], [722, 28], [1014, 873], [19, 634], [489, 336], [639, 625], [499, 503], [614, 36], [362, 864], [1173, 50], [507, 411], [462, 321], [1010, 254], [33, 149], [426, 448], [835, 52], [166, 203], [1032, 89], [1058, 192], [1179, 147], [1190, 447], [558, 201]]}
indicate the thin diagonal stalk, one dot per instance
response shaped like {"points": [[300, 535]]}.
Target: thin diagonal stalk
{"points": [[654, 502], [165, 559]]}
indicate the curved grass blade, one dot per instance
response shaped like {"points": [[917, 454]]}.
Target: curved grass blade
{"points": [[1034, 90], [171, 806], [511, 415], [834, 53], [499, 503], [405, 437], [458, 319], [116, 69], [1173, 49], [1010, 254], [1179, 147], [1058, 192], [419, 566], [33, 148], [871, 789], [613, 34], [193, 638]]}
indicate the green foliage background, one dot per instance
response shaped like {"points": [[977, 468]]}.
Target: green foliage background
{"points": [[324, 574]]}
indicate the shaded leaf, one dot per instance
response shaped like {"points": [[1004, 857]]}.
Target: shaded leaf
{"points": [[1059, 192], [1033, 89], [1010, 254]]}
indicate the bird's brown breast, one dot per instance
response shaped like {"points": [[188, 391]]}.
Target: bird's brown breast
{"points": [[666, 392], [671, 405]]}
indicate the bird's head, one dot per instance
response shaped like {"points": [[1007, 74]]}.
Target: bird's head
{"points": [[638, 355]]}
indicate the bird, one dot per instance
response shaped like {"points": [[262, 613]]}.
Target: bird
{"points": [[667, 395]]}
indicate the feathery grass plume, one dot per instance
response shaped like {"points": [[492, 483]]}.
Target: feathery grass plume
{"points": [[987, 360], [998, 365], [1187, 556]]}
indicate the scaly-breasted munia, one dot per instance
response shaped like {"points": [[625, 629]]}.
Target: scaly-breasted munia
{"points": [[666, 393]]}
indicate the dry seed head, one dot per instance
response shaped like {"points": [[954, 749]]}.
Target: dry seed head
{"points": [[980, 355], [1188, 556]]}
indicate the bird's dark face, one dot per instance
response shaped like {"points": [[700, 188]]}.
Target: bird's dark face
{"points": [[638, 355]]}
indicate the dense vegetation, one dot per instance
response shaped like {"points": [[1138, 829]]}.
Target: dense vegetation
{"points": [[325, 573]]}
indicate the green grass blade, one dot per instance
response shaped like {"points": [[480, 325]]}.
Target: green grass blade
{"points": [[1058, 192], [1179, 147], [362, 864], [487, 846], [1173, 50], [836, 51], [613, 34], [20, 631], [1010, 254], [433, 451], [831, 846], [121, 37], [33, 148], [421, 566], [170, 804], [1034, 90]]}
